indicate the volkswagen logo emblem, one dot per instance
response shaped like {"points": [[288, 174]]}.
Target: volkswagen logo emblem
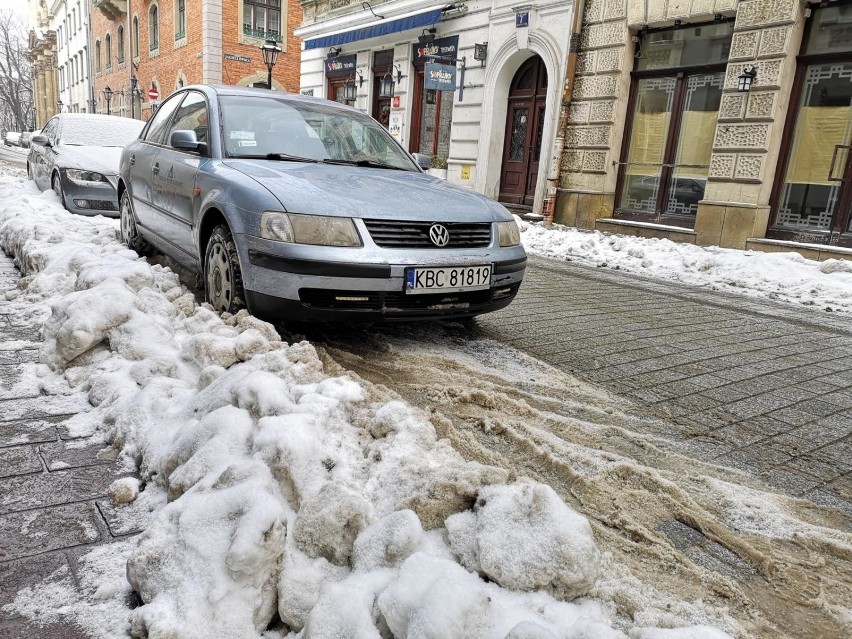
{"points": [[439, 235]]}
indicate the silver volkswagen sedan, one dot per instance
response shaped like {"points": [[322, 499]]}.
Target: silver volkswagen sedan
{"points": [[306, 210]]}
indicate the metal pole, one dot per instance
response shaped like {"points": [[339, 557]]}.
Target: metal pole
{"points": [[268, 76]]}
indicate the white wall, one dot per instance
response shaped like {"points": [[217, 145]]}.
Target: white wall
{"points": [[72, 17]]}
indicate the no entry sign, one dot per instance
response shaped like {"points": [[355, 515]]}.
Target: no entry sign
{"points": [[153, 94]]}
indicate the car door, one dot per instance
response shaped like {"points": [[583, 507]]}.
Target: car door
{"points": [[142, 169], [175, 176], [40, 156]]}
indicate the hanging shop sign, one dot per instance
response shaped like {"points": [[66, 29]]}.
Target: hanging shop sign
{"points": [[443, 48], [344, 65], [441, 77]]}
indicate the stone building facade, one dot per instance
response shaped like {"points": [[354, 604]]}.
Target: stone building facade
{"points": [[663, 142], [43, 55], [167, 44], [71, 20], [493, 125]]}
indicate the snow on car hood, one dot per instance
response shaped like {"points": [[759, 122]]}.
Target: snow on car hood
{"points": [[368, 192], [103, 159]]}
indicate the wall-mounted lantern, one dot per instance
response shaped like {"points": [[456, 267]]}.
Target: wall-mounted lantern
{"points": [[480, 52], [746, 78]]}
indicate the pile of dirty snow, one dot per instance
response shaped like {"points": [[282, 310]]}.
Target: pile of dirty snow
{"points": [[292, 501]]}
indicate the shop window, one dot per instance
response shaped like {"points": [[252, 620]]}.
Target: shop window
{"points": [[432, 114], [812, 200], [677, 88], [382, 65], [262, 19]]}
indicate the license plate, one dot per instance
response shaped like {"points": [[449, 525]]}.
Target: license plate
{"points": [[447, 279]]}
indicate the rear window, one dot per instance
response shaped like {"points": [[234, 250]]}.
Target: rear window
{"points": [[100, 131]]}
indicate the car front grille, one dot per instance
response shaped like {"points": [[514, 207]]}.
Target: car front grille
{"points": [[397, 234], [394, 302]]}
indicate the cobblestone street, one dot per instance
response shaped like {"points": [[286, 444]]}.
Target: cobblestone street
{"points": [[53, 507], [751, 384]]}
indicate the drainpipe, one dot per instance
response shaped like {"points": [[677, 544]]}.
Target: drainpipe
{"points": [[561, 129]]}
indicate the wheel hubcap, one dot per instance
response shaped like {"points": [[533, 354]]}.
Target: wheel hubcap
{"points": [[126, 223], [219, 282]]}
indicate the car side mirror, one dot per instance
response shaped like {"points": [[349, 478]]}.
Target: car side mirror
{"points": [[423, 161], [40, 139], [187, 141]]}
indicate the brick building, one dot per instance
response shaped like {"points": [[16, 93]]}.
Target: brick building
{"points": [[167, 44]]}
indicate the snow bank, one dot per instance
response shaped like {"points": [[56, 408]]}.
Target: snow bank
{"points": [[784, 276], [291, 494]]}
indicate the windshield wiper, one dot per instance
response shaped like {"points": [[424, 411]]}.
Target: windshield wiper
{"points": [[282, 157], [369, 163]]}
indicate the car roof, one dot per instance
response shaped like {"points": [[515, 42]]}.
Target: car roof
{"points": [[227, 89], [89, 117]]}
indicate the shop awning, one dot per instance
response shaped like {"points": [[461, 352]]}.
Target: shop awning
{"points": [[380, 27]]}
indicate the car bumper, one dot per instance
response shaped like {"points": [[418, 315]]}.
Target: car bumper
{"points": [[289, 282], [90, 200]]}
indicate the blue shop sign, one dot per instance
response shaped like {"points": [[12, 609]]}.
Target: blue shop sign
{"points": [[441, 77], [340, 65]]}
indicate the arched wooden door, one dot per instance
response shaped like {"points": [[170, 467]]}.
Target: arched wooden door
{"points": [[524, 126]]}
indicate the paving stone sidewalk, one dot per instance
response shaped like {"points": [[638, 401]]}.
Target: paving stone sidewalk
{"points": [[53, 508], [747, 383]]}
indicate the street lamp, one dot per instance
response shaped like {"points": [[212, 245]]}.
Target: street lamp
{"points": [[59, 106], [270, 50], [108, 95], [133, 93]]}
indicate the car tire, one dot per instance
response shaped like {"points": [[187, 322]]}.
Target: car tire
{"points": [[223, 277], [130, 235], [56, 184]]}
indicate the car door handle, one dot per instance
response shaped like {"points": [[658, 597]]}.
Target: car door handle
{"points": [[132, 160], [156, 168]]}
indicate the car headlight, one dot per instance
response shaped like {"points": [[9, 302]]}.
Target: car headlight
{"points": [[318, 230], [508, 233], [85, 177]]}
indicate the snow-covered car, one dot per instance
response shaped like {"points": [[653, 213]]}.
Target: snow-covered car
{"points": [[77, 155], [12, 138], [304, 209]]}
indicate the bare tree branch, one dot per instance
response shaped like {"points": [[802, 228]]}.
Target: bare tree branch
{"points": [[16, 95]]}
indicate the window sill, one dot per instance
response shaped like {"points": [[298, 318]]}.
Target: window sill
{"points": [[259, 42], [153, 53], [180, 43]]}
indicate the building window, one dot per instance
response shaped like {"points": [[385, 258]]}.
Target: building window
{"points": [[153, 28], [180, 19], [74, 20], [134, 38], [813, 183], [120, 44], [108, 43], [59, 37], [675, 97], [98, 56], [262, 18], [79, 17], [80, 59]]}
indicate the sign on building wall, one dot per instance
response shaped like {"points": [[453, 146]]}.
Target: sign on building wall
{"points": [[340, 66], [395, 126], [445, 48], [441, 77]]}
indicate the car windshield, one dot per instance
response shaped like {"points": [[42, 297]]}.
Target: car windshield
{"points": [[98, 131], [287, 130]]}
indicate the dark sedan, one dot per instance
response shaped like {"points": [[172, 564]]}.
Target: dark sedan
{"points": [[77, 155]]}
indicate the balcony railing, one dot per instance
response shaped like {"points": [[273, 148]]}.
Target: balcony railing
{"points": [[261, 33]]}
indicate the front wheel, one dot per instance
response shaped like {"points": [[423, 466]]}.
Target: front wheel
{"points": [[56, 183], [129, 233], [223, 278]]}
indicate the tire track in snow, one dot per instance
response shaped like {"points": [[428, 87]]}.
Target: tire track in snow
{"points": [[779, 566]]}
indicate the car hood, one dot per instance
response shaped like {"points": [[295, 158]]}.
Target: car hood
{"points": [[103, 159], [365, 192]]}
